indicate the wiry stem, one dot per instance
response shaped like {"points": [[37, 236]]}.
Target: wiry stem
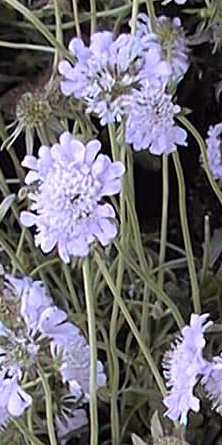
{"points": [[93, 352], [164, 218], [49, 407], [186, 234]]}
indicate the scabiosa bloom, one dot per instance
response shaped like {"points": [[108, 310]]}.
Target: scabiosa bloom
{"points": [[68, 343], [183, 365], [150, 123], [14, 401], [108, 71], [214, 150], [168, 41], [67, 205]]}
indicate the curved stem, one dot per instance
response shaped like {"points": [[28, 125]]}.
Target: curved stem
{"points": [[74, 297], [203, 150], [49, 407], [93, 352], [151, 12], [186, 234], [146, 352], [164, 218], [76, 18]]}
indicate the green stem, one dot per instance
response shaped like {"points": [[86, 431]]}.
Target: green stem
{"points": [[151, 12], [93, 352], [9, 251], [17, 5], [21, 426], [153, 286], [93, 16], [203, 150], [27, 46], [115, 424], [164, 219], [146, 352], [76, 18], [19, 247], [186, 234], [135, 8], [43, 266], [73, 295], [49, 406]]}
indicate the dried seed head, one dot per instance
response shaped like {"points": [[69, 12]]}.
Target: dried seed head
{"points": [[33, 110]]}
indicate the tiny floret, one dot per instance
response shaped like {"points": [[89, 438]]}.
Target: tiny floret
{"points": [[151, 121], [67, 203], [214, 150], [183, 366]]}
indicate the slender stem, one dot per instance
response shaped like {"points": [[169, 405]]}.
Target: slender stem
{"points": [[49, 406], [17, 5], [59, 34], [9, 251], [206, 249], [21, 426], [164, 218], [74, 297], [146, 352], [76, 18], [203, 150], [135, 8], [151, 12], [93, 352], [19, 247], [93, 16], [153, 286], [27, 46], [42, 266], [186, 234], [115, 424]]}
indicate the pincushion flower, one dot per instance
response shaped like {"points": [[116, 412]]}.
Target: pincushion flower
{"points": [[214, 147], [151, 121], [108, 71], [13, 401], [67, 205], [38, 319], [168, 41], [68, 343], [183, 366]]}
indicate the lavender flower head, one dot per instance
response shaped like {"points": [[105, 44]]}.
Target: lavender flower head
{"points": [[150, 123], [214, 150], [67, 341], [168, 41], [108, 71], [67, 205], [183, 365]]}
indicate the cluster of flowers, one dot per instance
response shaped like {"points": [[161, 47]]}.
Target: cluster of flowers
{"points": [[38, 332], [127, 79], [184, 366]]}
